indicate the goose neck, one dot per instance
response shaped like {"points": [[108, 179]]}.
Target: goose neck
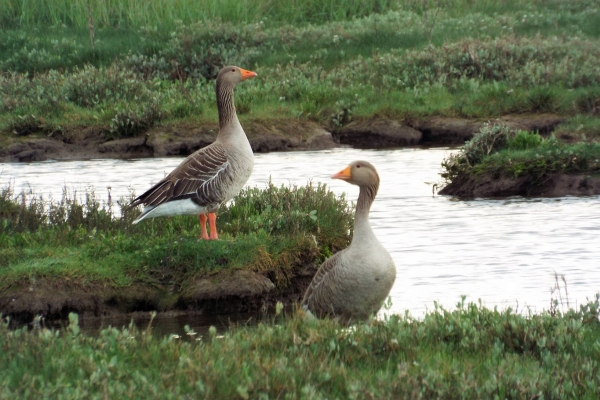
{"points": [[225, 104], [362, 226]]}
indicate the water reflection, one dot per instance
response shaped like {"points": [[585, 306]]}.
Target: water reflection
{"points": [[504, 252]]}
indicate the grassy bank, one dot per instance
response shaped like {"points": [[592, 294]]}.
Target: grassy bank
{"points": [[501, 152], [326, 61], [469, 353], [272, 231]]}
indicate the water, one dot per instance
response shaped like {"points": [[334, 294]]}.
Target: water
{"points": [[504, 252]]}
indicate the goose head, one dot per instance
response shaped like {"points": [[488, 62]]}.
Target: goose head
{"points": [[360, 173], [233, 75]]}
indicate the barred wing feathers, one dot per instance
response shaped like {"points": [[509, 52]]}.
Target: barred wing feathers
{"points": [[200, 177]]}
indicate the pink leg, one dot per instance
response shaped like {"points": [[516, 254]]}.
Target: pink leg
{"points": [[212, 221], [203, 233]]}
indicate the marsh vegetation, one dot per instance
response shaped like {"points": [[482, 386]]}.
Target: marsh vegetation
{"points": [[272, 232], [68, 65], [469, 352]]}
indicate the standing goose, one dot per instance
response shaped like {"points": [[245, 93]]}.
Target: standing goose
{"points": [[354, 282], [210, 176]]}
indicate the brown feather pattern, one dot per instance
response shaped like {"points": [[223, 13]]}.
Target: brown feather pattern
{"points": [[199, 177], [207, 176], [225, 103]]}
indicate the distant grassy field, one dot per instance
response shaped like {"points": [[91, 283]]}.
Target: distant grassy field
{"points": [[469, 353], [141, 64]]}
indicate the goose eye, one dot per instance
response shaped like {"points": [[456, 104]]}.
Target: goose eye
{"points": [[232, 69], [357, 165]]}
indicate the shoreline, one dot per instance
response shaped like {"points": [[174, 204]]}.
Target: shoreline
{"points": [[264, 136], [224, 292]]}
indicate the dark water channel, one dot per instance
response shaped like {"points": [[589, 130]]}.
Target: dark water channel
{"points": [[503, 251]]}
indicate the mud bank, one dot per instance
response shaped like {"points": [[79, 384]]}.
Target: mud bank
{"points": [[553, 185], [225, 292], [264, 136]]}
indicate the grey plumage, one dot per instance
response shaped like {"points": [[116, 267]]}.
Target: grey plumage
{"points": [[354, 282], [212, 175]]}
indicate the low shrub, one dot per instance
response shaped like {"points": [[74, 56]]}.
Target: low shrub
{"points": [[91, 86], [40, 93], [130, 120], [198, 51]]}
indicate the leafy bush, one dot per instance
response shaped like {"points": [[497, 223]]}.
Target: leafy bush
{"points": [[522, 61], [199, 51], [129, 120], [490, 139], [289, 211], [91, 86], [35, 93], [37, 56]]}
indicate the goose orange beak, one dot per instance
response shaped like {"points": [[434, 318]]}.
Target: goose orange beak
{"points": [[247, 74], [344, 174]]}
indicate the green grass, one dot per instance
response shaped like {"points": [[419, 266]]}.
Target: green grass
{"points": [[271, 230], [504, 152], [470, 353], [403, 60], [118, 13]]}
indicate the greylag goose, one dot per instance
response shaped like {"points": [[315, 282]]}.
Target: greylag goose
{"points": [[354, 282], [212, 175]]}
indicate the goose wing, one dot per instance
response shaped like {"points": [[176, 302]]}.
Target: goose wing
{"points": [[320, 288], [200, 177]]}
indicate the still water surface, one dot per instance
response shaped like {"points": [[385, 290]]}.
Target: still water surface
{"points": [[504, 252]]}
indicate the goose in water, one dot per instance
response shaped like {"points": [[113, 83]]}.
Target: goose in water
{"points": [[212, 175], [354, 282]]}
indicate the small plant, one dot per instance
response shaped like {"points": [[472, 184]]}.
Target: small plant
{"points": [[524, 141], [93, 86], [589, 102], [198, 51], [542, 99], [130, 121], [490, 139], [22, 125]]}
